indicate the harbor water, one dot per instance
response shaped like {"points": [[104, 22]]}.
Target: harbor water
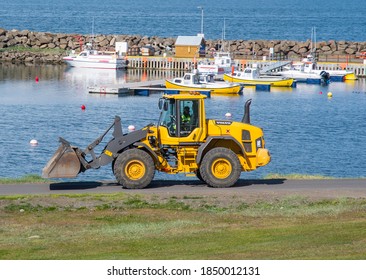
{"points": [[306, 131]]}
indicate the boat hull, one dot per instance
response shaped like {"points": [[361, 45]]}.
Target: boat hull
{"points": [[345, 75], [229, 89], [261, 81], [350, 76], [95, 63], [301, 76]]}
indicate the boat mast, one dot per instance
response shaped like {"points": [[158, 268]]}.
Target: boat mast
{"points": [[92, 37], [313, 39], [223, 38]]}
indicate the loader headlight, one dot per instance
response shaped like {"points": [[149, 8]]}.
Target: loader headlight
{"points": [[259, 143]]}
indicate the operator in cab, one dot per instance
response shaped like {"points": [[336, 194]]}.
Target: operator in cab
{"points": [[186, 116]]}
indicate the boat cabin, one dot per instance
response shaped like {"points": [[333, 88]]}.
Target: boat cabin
{"points": [[195, 79], [206, 78], [248, 73], [223, 59], [188, 79], [307, 65]]}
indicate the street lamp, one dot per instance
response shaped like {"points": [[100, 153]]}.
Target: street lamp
{"points": [[200, 7]]}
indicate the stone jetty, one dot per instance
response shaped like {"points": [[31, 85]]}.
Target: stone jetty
{"points": [[42, 47]]}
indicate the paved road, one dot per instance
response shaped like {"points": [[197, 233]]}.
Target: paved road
{"points": [[244, 188]]}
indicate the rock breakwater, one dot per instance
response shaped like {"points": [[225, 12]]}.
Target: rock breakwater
{"points": [[41, 47]]}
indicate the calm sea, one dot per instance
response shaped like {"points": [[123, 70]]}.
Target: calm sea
{"points": [[306, 132], [245, 19]]}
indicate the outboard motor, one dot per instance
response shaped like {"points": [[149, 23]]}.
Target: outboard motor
{"points": [[325, 77], [246, 117]]}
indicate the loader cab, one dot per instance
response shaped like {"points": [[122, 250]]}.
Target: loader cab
{"points": [[180, 119]]}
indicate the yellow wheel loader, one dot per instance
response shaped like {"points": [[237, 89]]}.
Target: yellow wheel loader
{"points": [[183, 141]]}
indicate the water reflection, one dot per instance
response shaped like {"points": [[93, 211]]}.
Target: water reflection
{"points": [[90, 77], [9, 71]]}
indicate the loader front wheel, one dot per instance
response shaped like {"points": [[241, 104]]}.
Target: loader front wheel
{"points": [[134, 169], [198, 175], [220, 168]]}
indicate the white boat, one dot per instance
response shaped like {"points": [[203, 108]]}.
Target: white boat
{"points": [[305, 72], [91, 58], [335, 75], [222, 64], [307, 69]]}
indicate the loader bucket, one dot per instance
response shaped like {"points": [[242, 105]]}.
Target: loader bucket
{"points": [[63, 164]]}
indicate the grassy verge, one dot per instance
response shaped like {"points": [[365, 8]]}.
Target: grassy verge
{"points": [[120, 226], [21, 49], [31, 178]]}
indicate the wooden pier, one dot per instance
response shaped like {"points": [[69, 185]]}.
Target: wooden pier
{"points": [[184, 64], [166, 67]]}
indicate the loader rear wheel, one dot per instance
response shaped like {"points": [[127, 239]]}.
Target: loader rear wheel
{"points": [[220, 168], [134, 169]]}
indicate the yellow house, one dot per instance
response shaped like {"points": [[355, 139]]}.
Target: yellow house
{"points": [[190, 46]]}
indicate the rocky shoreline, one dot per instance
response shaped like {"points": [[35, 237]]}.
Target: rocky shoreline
{"points": [[42, 47]]}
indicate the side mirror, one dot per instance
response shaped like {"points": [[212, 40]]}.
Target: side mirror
{"points": [[160, 103], [166, 106]]}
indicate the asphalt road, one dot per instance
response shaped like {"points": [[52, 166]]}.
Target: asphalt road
{"points": [[255, 189]]}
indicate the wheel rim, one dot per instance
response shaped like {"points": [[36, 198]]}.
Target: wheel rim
{"points": [[135, 169], [221, 168]]}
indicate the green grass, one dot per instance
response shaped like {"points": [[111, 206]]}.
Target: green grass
{"points": [[31, 178], [21, 49], [120, 226]]}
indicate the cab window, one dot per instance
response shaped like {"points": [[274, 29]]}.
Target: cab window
{"points": [[168, 117], [188, 116], [180, 118]]}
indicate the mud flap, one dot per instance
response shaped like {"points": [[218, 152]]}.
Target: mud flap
{"points": [[64, 163]]}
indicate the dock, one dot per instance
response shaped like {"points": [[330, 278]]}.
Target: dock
{"points": [[142, 89], [127, 88], [184, 64]]}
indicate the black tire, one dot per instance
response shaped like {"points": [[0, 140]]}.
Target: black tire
{"points": [[198, 175], [134, 169], [220, 168]]}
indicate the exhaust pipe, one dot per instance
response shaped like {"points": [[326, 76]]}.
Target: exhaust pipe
{"points": [[246, 117]]}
